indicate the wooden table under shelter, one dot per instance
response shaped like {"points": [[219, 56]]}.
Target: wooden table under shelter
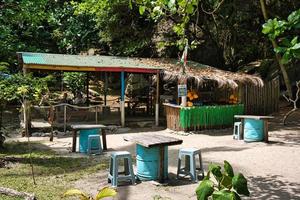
{"points": [[254, 123], [101, 130], [152, 155]]}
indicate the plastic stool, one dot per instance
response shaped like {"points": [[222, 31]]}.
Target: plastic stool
{"points": [[94, 144], [114, 176], [237, 130], [190, 163]]}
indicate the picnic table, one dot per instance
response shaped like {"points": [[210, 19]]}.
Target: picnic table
{"points": [[263, 119], [77, 128], [152, 155]]}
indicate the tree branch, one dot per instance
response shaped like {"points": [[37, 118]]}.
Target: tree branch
{"points": [[215, 10], [15, 193]]}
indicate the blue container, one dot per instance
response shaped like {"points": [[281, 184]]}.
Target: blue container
{"points": [[83, 139], [253, 130], [147, 161]]}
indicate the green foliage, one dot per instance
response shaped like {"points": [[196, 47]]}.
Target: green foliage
{"points": [[103, 193], [285, 32], [227, 186], [19, 87], [121, 30], [182, 9], [75, 81]]}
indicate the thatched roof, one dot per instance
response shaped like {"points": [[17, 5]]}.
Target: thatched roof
{"points": [[200, 73]]}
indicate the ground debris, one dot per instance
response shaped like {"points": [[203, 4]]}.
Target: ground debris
{"points": [[14, 193]]}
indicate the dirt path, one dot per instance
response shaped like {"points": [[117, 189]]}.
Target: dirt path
{"points": [[272, 169]]}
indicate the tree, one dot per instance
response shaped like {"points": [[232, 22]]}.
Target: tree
{"points": [[284, 36], [273, 29], [121, 31], [75, 81]]}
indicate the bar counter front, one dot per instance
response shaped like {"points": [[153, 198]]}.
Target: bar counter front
{"points": [[201, 117]]}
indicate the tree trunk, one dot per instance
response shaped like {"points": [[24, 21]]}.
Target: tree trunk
{"points": [[14, 193], [278, 57]]}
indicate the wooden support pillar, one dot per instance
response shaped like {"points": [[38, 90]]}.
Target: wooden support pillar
{"points": [[105, 87], [26, 110], [157, 100], [122, 102], [87, 89], [65, 118]]}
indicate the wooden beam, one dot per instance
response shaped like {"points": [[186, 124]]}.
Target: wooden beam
{"points": [[90, 68], [58, 68]]}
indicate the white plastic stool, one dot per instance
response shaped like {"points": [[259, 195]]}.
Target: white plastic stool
{"points": [[114, 176], [237, 130], [190, 163]]}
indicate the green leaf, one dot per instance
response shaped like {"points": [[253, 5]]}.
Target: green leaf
{"points": [[226, 182], [142, 9], [171, 4], [225, 195], [228, 168], [189, 8], [76, 192], [296, 46], [204, 190], [239, 183], [106, 192], [286, 58], [216, 171], [294, 41], [280, 49], [130, 4]]}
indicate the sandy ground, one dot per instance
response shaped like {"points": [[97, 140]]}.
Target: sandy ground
{"points": [[272, 170]]}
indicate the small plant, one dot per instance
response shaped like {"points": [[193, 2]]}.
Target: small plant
{"points": [[103, 193], [226, 185]]}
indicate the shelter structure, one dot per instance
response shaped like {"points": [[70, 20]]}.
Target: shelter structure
{"points": [[91, 64], [214, 95]]}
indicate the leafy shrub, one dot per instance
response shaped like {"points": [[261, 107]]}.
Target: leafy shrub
{"points": [[226, 185]]}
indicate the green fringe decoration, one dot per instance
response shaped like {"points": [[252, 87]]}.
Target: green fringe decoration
{"points": [[209, 116]]}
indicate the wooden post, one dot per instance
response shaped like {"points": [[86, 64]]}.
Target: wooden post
{"points": [[157, 100], [122, 102], [87, 89], [104, 139], [161, 163], [26, 110], [96, 114], [65, 118], [105, 87], [74, 140], [266, 130]]}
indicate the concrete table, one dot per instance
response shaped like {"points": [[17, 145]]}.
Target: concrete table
{"points": [[153, 147], [264, 120], [76, 128]]}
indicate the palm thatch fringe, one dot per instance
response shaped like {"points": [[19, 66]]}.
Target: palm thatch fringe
{"points": [[200, 73]]}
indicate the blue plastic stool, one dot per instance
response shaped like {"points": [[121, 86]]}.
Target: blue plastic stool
{"points": [[237, 130], [114, 176], [94, 144], [190, 163]]}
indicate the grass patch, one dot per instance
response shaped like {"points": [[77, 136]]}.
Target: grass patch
{"points": [[54, 173]]}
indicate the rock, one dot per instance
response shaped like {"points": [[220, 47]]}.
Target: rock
{"points": [[37, 134], [123, 130], [46, 134], [143, 124]]}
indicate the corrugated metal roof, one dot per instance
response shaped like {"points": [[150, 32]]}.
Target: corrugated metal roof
{"points": [[82, 61]]}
